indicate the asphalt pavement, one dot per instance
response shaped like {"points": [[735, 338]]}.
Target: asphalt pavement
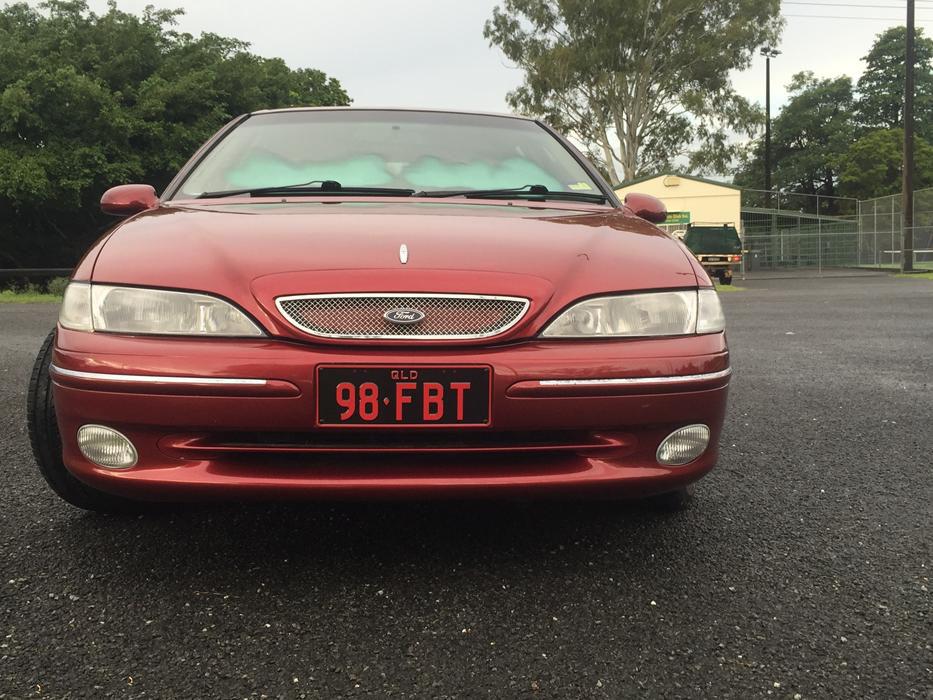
{"points": [[801, 570]]}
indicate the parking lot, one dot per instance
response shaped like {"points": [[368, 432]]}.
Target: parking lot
{"points": [[801, 570]]}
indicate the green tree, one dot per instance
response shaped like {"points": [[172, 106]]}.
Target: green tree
{"points": [[643, 83], [808, 138], [873, 165], [880, 101], [88, 101]]}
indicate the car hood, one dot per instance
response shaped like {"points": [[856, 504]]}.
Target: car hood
{"points": [[252, 252]]}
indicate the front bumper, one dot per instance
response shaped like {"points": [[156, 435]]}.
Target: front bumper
{"points": [[235, 418], [717, 262]]}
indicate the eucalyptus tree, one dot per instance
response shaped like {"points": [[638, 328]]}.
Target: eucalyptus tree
{"points": [[644, 82]]}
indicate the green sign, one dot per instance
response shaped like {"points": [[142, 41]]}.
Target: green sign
{"points": [[677, 218]]}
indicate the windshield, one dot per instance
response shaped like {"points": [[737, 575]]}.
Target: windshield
{"points": [[721, 239], [423, 151]]}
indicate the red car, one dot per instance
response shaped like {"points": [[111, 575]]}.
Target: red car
{"points": [[351, 302]]}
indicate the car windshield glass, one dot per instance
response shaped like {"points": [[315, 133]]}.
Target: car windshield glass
{"points": [[718, 239], [422, 151]]}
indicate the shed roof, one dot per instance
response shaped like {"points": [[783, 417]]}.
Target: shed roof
{"points": [[707, 181]]}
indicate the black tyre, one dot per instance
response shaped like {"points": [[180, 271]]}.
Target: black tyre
{"points": [[726, 280], [47, 444]]}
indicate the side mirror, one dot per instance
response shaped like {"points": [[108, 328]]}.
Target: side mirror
{"points": [[647, 207], [125, 200]]}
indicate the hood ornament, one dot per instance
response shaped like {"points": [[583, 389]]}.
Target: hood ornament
{"points": [[403, 254]]}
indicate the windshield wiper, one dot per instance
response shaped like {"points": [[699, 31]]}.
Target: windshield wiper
{"points": [[326, 187], [537, 192]]}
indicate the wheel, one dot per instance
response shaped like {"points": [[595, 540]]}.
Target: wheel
{"points": [[726, 280], [47, 444]]}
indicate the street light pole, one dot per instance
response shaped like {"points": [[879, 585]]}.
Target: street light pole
{"points": [[907, 204], [768, 53]]}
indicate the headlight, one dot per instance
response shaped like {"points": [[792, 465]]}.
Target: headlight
{"points": [[710, 318], [98, 307], [640, 315], [76, 307]]}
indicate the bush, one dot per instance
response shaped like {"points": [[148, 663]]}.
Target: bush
{"points": [[89, 101], [57, 286]]}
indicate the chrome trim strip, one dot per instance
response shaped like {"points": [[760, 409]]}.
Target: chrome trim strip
{"points": [[147, 379], [403, 295], [677, 379]]}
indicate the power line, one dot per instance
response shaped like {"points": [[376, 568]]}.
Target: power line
{"points": [[837, 4], [882, 19]]}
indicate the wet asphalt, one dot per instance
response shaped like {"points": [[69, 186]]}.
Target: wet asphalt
{"points": [[801, 570]]}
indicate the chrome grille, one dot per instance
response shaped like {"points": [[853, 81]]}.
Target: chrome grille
{"points": [[446, 316]]}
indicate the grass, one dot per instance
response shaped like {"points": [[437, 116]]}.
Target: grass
{"points": [[917, 276], [918, 264], [50, 291], [10, 296], [728, 288]]}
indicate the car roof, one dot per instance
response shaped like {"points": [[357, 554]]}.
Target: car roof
{"points": [[394, 109]]}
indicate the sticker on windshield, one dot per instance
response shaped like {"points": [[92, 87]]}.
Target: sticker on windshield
{"points": [[579, 186]]}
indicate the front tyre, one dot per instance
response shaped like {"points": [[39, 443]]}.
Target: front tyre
{"points": [[47, 444]]}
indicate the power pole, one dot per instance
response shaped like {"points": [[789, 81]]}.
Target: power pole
{"points": [[768, 123], [768, 53], [907, 204]]}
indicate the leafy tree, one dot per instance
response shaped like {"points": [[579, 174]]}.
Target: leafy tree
{"points": [[808, 138], [828, 141], [873, 165], [644, 82], [88, 101], [880, 102]]}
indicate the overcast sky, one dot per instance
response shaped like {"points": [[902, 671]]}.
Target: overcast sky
{"points": [[431, 53]]}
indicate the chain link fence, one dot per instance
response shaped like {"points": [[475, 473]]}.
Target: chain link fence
{"points": [[801, 233], [880, 224], [795, 231]]}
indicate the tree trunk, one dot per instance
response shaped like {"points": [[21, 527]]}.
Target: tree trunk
{"points": [[610, 159]]}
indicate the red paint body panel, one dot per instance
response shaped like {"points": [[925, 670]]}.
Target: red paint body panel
{"points": [[125, 200]]}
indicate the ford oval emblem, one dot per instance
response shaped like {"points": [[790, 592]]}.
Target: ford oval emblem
{"points": [[403, 317]]}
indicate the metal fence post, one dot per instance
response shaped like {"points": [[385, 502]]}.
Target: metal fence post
{"points": [[893, 249], [894, 227], [819, 238], [858, 234]]}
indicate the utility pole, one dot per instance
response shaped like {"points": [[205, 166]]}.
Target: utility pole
{"points": [[907, 204], [768, 53]]}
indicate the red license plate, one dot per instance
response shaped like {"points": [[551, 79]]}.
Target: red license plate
{"points": [[401, 395]]}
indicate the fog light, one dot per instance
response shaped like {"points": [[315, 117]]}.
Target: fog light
{"points": [[683, 445], [106, 447]]}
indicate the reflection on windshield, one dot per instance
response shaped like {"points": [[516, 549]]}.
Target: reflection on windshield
{"points": [[382, 148]]}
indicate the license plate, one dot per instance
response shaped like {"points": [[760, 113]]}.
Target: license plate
{"points": [[402, 395]]}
